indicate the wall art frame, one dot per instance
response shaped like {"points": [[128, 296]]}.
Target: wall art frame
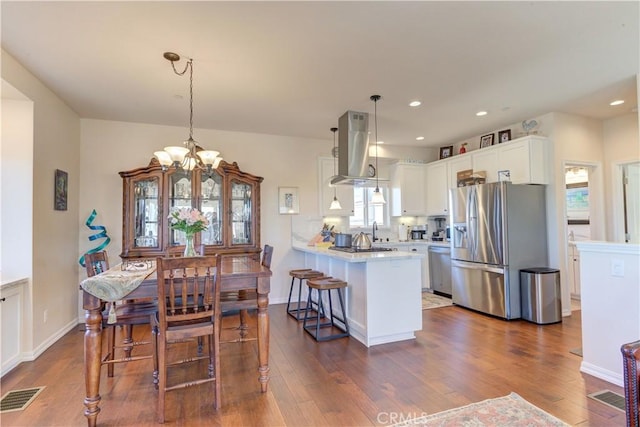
{"points": [[60, 189], [504, 136], [446, 152], [486, 140], [288, 201]]}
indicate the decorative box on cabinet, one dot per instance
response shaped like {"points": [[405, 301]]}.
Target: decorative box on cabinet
{"points": [[229, 197], [408, 195], [455, 165], [344, 193]]}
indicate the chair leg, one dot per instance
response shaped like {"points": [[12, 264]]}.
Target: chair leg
{"points": [[128, 339], [154, 332], [111, 348], [244, 315], [217, 403], [162, 379]]}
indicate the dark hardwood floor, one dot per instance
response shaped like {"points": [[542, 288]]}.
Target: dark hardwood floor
{"points": [[458, 358]]}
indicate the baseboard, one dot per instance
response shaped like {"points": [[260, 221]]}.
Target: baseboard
{"points": [[30, 356], [603, 374]]}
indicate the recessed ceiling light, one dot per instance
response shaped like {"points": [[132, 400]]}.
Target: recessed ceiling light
{"points": [[481, 113], [414, 103], [420, 138], [617, 102]]}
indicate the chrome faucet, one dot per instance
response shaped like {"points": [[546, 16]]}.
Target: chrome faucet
{"points": [[375, 227]]}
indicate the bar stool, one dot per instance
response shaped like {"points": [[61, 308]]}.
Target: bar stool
{"points": [[326, 284], [302, 274]]}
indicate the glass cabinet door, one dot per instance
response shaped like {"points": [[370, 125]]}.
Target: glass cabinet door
{"points": [[180, 196], [146, 212], [241, 213], [211, 206]]}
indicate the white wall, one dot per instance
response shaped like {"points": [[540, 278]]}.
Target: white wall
{"points": [[621, 141], [56, 145]]}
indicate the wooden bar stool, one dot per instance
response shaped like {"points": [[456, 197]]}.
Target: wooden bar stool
{"points": [[302, 274], [326, 284]]}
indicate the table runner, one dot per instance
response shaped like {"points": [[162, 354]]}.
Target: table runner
{"points": [[119, 281]]}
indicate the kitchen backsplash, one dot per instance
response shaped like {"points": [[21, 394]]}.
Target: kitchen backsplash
{"points": [[303, 228]]}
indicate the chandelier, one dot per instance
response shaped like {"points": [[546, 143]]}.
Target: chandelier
{"points": [[190, 155]]}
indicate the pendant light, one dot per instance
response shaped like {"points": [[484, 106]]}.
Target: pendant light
{"points": [[190, 156], [378, 198], [335, 204]]}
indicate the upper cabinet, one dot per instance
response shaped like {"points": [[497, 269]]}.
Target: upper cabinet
{"points": [[229, 197], [408, 191], [526, 160], [344, 193], [437, 188]]}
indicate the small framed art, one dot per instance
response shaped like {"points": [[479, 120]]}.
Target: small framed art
{"points": [[60, 190], [446, 151], [504, 136], [486, 140], [288, 201]]}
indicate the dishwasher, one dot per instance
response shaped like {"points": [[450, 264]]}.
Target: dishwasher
{"points": [[440, 270]]}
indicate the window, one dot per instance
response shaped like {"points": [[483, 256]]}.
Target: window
{"points": [[364, 212]]}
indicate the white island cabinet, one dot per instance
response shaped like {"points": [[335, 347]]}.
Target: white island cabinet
{"points": [[383, 295]]}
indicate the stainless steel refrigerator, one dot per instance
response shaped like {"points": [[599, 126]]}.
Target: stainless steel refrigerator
{"points": [[498, 229]]}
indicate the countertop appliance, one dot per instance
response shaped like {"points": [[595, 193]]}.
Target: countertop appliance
{"points": [[497, 230], [440, 270]]}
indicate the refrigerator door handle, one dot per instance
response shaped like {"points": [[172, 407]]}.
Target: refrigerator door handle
{"points": [[474, 266]]}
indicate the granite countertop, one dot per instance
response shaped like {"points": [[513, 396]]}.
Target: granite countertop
{"points": [[411, 243], [359, 256]]}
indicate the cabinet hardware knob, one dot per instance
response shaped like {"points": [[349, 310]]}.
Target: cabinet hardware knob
{"points": [[3, 299]]}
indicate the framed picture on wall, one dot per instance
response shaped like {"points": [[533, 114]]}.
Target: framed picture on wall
{"points": [[446, 152], [60, 190], [504, 136], [288, 201], [486, 140]]}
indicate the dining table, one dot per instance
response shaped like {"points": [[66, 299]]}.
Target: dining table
{"points": [[238, 273]]}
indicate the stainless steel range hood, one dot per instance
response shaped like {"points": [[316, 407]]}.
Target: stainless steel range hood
{"points": [[353, 149]]}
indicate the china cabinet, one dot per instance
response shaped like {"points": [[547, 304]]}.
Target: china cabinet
{"points": [[228, 197]]}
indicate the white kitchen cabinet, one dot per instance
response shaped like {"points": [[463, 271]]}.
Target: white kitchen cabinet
{"points": [[437, 188], [326, 190], [527, 160], [573, 270], [11, 300], [486, 160], [408, 192], [455, 165], [424, 250]]}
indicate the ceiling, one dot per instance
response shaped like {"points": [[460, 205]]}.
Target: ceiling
{"points": [[292, 68]]}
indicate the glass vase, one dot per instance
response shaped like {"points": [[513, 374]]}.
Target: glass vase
{"points": [[189, 249]]}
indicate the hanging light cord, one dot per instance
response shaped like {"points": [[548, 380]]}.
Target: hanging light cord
{"points": [[375, 99], [188, 66], [333, 153]]}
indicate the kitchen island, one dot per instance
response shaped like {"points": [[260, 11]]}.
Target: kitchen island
{"points": [[383, 295]]}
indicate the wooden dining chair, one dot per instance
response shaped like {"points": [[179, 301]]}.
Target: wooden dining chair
{"points": [[188, 308], [233, 302], [128, 313]]}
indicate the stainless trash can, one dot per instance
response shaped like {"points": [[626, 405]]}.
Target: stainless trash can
{"points": [[540, 295]]}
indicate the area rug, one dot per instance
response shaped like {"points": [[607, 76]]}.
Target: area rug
{"points": [[511, 410], [430, 300]]}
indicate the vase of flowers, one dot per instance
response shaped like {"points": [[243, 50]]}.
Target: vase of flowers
{"points": [[190, 221]]}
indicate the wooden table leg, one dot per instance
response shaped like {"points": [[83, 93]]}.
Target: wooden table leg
{"points": [[263, 333], [92, 353]]}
